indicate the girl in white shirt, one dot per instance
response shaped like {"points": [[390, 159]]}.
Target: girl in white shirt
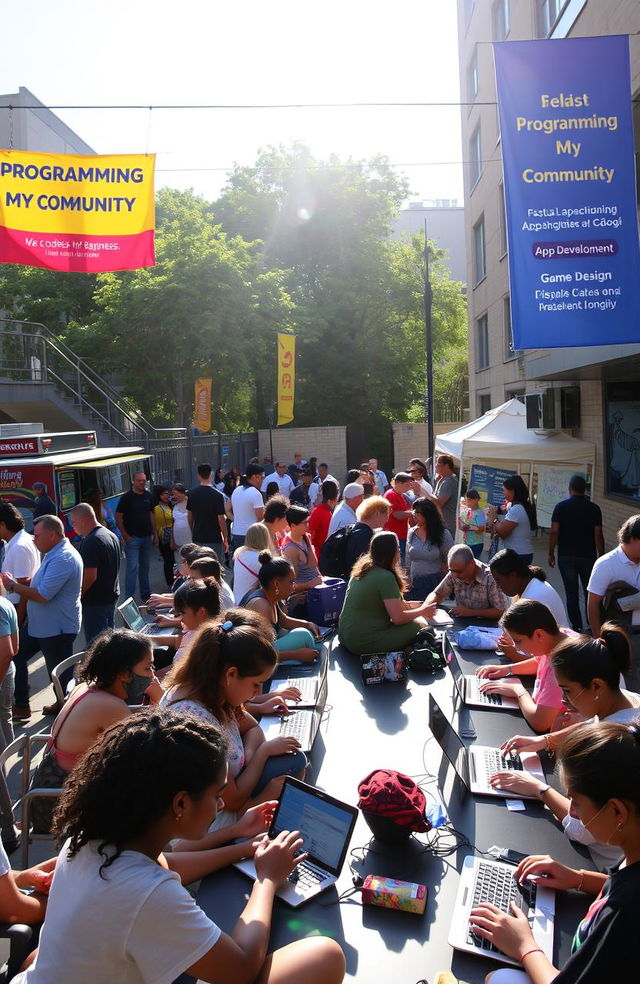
{"points": [[246, 565]]}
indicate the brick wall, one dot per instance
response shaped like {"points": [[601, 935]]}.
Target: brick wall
{"points": [[326, 443], [411, 441]]}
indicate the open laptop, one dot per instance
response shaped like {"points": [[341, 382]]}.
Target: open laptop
{"points": [[325, 824], [301, 722], [476, 764], [134, 620], [468, 686], [493, 881], [309, 687]]}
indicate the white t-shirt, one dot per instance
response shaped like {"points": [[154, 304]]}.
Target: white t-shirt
{"points": [[181, 529], [135, 925], [5, 867], [547, 595], [285, 483], [520, 537], [21, 558], [244, 502], [613, 566], [226, 596], [343, 515], [245, 580]]}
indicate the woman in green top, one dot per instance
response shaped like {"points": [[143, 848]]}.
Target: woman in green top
{"points": [[375, 618]]}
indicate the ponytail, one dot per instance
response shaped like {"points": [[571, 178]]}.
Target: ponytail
{"points": [[585, 659]]}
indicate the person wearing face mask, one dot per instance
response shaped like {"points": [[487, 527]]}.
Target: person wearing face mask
{"points": [[600, 768], [588, 673], [115, 673]]}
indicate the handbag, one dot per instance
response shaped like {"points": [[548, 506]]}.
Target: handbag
{"points": [[47, 775]]}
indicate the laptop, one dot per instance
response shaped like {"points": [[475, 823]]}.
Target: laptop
{"points": [[133, 619], [309, 687], [301, 722], [493, 881], [476, 764], [468, 686], [325, 824]]}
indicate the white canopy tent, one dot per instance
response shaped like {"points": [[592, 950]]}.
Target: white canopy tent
{"points": [[500, 439]]}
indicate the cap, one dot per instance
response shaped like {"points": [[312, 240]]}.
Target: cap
{"points": [[352, 490]]}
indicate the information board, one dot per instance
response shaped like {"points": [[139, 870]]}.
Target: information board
{"points": [[553, 487], [489, 481]]}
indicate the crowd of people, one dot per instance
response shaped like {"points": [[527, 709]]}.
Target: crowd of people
{"points": [[115, 897]]}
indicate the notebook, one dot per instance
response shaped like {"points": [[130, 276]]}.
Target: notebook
{"points": [[301, 722], [495, 882], [475, 765], [133, 619], [468, 686], [325, 824]]}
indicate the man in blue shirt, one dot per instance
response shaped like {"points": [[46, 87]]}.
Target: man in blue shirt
{"points": [[53, 608]]}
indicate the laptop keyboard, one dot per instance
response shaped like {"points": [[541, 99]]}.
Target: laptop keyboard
{"points": [[306, 875], [495, 761], [293, 726], [499, 886], [306, 685], [495, 699]]}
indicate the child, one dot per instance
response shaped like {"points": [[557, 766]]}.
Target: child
{"points": [[472, 521]]}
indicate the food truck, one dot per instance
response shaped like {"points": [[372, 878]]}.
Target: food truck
{"points": [[70, 465]]}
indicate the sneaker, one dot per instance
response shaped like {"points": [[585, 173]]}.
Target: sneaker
{"points": [[52, 710], [20, 712]]}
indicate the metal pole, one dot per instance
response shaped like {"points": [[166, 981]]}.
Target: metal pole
{"points": [[270, 416], [428, 346]]}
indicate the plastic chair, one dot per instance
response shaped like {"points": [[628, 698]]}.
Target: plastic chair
{"points": [[21, 942], [62, 674], [23, 747]]}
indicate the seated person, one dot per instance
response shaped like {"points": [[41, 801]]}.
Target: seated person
{"points": [[117, 670], [428, 545], [518, 579], [275, 519], [117, 903], [474, 589], [535, 632], [245, 560], [186, 555], [588, 674], [15, 906], [225, 666], [209, 566], [600, 768], [375, 618], [195, 602], [372, 515], [297, 548], [295, 640]]}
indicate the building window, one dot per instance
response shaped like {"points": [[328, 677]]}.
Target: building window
{"points": [[479, 252], [484, 403], [548, 14], [500, 20], [482, 342], [509, 351], [472, 77], [622, 422], [502, 221], [475, 155]]}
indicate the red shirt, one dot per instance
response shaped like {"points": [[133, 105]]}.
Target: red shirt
{"points": [[398, 504], [319, 525]]}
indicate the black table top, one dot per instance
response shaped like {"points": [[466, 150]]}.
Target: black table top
{"points": [[385, 726]]}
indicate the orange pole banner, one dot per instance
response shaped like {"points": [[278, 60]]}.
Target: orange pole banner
{"points": [[71, 212], [202, 404], [286, 377]]}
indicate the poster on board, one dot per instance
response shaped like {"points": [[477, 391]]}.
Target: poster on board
{"points": [[489, 481], [553, 487]]}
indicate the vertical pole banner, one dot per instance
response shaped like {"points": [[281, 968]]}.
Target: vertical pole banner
{"points": [[202, 405], [286, 377], [570, 191], [70, 212]]}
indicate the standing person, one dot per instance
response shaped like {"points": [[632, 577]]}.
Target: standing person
{"points": [[372, 514], [428, 545], [306, 493], [206, 513], [381, 480], [516, 530], [275, 519], [282, 477], [445, 494], [576, 530], [21, 558], [134, 516], [321, 515], [296, 467], [401, 511], [101, 557], [53, 608], [247, 504], [472, 522], [181, 528], [163, 522], [345, 513], [45, 506], [324, 475], [418, 471]]}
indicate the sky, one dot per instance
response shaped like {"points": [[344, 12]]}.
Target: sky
{"points": [[149, 52]]}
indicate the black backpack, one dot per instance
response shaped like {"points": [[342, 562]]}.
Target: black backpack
{"points": [[333, 556]]}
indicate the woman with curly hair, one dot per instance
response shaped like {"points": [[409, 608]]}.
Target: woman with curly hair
{"points": [[118, 910], [375, 617]]}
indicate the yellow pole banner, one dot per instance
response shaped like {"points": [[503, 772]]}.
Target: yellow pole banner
{"points": [[286, 377], [202, 404]]}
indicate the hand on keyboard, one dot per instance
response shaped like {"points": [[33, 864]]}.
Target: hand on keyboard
{"points": [[552, 873], [497, 687], [491, 672], [509, 932], [282, 745], [275, 859], [520, 783]]}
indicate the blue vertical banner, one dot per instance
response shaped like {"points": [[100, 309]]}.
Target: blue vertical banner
{"points": [[570, 191]]}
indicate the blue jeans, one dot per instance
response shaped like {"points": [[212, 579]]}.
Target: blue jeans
{"points": [[572, 571], [138, 550], [97, 618], [281, 765], [476, 549]]}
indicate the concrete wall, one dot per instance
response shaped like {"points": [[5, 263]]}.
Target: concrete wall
{"points": [[326, 443], [411, 441]]}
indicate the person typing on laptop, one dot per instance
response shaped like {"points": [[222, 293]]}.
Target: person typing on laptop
{"points": [[470, 581], [600, 766]]}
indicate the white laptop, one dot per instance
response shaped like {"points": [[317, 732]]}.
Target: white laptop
{"points": [[134, 620], [325, 824], [468, 686], [493, 881], [301, 722], [309, 687], [475, 765]]}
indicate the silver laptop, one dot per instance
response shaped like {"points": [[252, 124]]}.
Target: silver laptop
{"points": [[468, 686], [133, 619], [309, 687], [325, 824], [475, 765], [492, 881], [301, 722]]}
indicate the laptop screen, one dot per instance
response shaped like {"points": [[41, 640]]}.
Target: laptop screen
{"points": [[448, 740], [131, 614], [456, 672], [325, 824]]}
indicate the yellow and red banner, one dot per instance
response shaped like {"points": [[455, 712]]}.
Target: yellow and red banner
{"points": [[202, 405], [73, 212], [286, 377]]}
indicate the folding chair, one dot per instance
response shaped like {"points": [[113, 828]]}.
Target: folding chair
{"points": [[23, 747], [62, 674]]}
